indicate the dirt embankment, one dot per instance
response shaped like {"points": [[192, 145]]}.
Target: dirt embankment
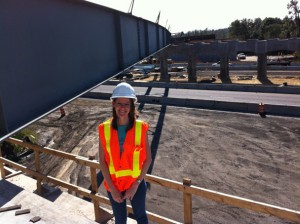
{"points": [[239, 154]]}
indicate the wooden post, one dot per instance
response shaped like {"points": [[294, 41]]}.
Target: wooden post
{"points": [[101, 215], [95, 190], [38, 169], [2, 165], [187, 202]]}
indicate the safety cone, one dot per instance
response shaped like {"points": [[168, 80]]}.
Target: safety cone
{"points": [[261, 109]]}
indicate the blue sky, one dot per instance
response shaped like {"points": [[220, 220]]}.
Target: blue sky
{"points": [[191, 15]]}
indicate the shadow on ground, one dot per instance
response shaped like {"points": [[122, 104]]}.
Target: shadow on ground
{"points": [[226, 80], [265, 81]]}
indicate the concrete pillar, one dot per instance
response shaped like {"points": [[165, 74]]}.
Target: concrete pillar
{"points": [[261, 51], [224, 67], [261, 66], [192, 62], [164, 75], [192, 69]]}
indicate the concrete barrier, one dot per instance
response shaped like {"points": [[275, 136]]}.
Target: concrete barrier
{"points": [[211, 86], [282, 110], [241, 88], [204, 104], [288, 89], [230, 106], [252, 108]]}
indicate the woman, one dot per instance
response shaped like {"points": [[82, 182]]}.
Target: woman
{"points": [[125, 155]]}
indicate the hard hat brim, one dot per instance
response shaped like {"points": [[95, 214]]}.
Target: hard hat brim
{"points": [[116, 97]]}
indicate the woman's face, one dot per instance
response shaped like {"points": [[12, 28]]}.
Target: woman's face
{"points": [[122, 107]]}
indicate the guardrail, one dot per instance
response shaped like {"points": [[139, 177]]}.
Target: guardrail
{"points": [[186, 188]]}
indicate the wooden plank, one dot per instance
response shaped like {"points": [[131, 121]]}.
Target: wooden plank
{"points": [[9, 208], [256, 206], [82, 191], [61, 183], [23, 211], [42, 149], [229, 199], [21, 167], [78, 159], [12, 174], [35, 219], [155, 217], [165, 182]]}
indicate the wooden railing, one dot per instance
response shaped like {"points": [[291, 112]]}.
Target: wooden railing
{"points": [[186, 188]]}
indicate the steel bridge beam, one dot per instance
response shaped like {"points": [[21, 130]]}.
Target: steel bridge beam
{"points": [[53, 51]]}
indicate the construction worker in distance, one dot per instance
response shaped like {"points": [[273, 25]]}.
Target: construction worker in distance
{"points": [[125, 156], [62, 112]]}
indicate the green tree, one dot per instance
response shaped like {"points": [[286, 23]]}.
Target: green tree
{"points": [[259, 29], [255, 29], [271, 28], [294, 11], [289, 28], [239, 29]]}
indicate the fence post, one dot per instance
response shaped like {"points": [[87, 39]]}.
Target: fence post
{"points": [[2, 164], [38, 169], [101, 215], [95, 190], [187, 202]]}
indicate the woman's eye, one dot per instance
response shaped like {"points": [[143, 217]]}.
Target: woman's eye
{"points": [[123, 104]]}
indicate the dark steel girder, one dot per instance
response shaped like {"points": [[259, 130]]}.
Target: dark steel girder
{"points": [[53, 51]]}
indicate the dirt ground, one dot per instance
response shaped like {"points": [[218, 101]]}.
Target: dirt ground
{"points": [[234, 153]]}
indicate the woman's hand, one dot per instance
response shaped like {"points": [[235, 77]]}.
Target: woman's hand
{"points": [[116, 195], [129, 194]]}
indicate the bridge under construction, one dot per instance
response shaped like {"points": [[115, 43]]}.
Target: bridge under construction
{"points": [[54, 51]]}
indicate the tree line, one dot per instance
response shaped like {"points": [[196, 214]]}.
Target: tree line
{"points": [[267, 28]]}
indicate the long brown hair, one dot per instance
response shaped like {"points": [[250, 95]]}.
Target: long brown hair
{"points": [[133, 114]]}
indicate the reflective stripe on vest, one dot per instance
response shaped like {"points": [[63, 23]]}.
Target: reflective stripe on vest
{"points": [[135, 172]]}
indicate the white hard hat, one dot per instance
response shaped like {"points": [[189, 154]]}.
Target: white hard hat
{"points": [[123, 90]]}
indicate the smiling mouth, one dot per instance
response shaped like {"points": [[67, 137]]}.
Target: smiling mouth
{"points": [[122, 112]]}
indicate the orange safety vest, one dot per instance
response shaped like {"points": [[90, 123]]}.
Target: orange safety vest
{"points": [[124, 169]]}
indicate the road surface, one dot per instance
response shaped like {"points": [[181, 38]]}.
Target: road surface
{"points": [[228, 96]]}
